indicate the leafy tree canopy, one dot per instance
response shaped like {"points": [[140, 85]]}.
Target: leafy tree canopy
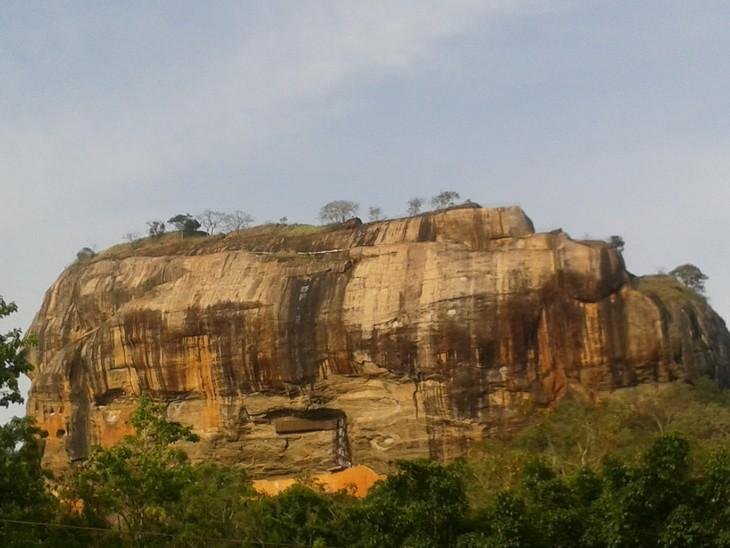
{"points": [[422, 504], [185, 223], [617, 242], [444, 199], [691, 276], [140, 481], [13, 362], [650, 468], [338, 211], [23, 491], [156, 228], [85, 253], [414, 206], [375, 213]]}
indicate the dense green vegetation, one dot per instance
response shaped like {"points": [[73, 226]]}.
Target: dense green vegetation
{"points": [[12, 358], [649, 467]]}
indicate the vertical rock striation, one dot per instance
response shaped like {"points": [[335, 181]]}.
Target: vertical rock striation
{"points": [[298, 349]]}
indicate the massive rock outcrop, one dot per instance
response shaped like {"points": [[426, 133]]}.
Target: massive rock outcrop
{"points": [[294, 348]]}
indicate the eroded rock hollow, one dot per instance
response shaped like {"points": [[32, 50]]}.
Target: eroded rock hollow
{"points": [[293, 348]]}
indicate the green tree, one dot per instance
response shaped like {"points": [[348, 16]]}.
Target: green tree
{"points": [[422, 504], [24, 495], [85, 254], [138, 484], [375, 213], [303, 517], [558, 507], [156, 228], [510, 523], [13, 358], [414, 206], [444, 199], [637, 502], [338, 211], [703, 518], [691, 276], [185, 223], [684, 527], [617, 242], [215, 503]]}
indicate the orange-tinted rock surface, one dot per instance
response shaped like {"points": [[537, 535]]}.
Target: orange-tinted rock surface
{"points": [[291, 348], [356, 481]]}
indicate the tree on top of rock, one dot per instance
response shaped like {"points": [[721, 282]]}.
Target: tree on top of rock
{"points": [[375, 213], [444, 199], [211, 220], [691, 276], [236, 220], [617, 242], [338, 211], [185, 223], [414, 206], [156, 228]]}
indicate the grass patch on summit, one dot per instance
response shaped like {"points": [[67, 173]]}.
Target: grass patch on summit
{"points": [[172, 243], [667, 289]]}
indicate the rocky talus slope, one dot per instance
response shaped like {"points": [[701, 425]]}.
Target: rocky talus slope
{"points": [[301, 349]]}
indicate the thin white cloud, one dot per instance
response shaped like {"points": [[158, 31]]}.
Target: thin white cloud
{"points": [[220, 106]]}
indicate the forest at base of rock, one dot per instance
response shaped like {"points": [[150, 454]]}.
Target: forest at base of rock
{"points": [[648, 466]]}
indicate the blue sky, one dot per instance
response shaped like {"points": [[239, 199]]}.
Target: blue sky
{"points": [[599, 117]]}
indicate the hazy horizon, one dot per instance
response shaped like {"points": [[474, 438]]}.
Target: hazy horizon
{"points": [[598, 118]]}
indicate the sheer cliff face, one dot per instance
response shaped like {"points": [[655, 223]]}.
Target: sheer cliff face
{"points": [[294, 351]]}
